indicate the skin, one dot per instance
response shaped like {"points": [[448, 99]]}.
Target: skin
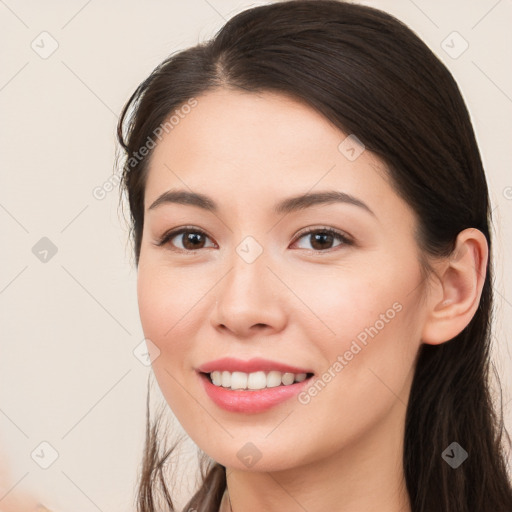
{"points": [[343, 450]]}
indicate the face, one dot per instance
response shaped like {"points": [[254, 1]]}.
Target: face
{"points": [[329, 288]]}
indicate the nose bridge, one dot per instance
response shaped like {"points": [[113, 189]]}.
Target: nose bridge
{"points": [[248, 275], [247, 295]]}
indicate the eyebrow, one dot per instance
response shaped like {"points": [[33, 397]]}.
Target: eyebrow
{"points": [[288, 205]]}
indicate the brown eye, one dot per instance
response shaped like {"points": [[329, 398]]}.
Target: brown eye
{"points": [[190, 239], [323, 239]]}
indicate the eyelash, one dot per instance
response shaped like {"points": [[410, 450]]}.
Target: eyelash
{"points": [[166, 237]]}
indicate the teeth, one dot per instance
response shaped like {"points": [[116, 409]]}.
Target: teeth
{"points": [[274, 379], [255, 380], [226, 380], [288, 378], [216, 378], [238, 380]]}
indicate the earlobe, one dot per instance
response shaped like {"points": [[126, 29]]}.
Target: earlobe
{"points": [[458, 291]]}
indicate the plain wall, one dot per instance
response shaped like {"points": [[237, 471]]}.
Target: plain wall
{"points": [[68, 374]]}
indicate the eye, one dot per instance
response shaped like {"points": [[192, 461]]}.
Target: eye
{"points": [[190, 238], [322, 238]]}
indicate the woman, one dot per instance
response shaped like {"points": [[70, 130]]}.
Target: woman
{"points": [[311, 229]]}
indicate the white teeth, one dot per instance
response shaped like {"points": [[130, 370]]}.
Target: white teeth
{"points": [[273, 379], [226, 380], [239, 380], [255, 380], [216, 378], [287, 378]]}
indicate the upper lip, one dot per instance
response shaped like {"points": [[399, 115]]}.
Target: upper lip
{"points": [[257, 364]]}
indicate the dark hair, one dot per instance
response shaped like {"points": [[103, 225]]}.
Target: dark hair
{"points": [[371, 76]]}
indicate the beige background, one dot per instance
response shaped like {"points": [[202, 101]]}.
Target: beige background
{"points": [[68, 374]]}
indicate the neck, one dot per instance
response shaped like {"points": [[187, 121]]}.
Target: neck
{"points": [[366, 475]]}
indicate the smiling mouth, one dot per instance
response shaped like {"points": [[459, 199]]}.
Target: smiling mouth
{"points": [[255, 381]]}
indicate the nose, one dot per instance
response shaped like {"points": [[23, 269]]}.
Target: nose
{"points": [[251, 300]]}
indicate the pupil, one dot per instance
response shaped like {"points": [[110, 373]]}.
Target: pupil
{"points": [[322, 238], [194, 239]]}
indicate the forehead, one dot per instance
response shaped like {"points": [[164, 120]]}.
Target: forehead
{"points": [[260, 145], [239, 126]]}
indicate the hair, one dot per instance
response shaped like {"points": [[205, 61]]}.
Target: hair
{"points": [[370, 75]]}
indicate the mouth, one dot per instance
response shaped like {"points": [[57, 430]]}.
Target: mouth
{"points": [[252, 393], [254, 381], [251, 386]]}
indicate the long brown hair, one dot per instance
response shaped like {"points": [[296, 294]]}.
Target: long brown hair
{"points": [[370, 75]]}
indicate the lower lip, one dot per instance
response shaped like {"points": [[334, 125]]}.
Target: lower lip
{"points": [[247, 401]]}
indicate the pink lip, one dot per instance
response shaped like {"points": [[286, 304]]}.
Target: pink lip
{"points": [[247, 401], [258, 364]]}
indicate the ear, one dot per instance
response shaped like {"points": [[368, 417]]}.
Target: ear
{"points": [[454, 299]]}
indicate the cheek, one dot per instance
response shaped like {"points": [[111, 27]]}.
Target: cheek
{"points": [[163, 305], [351, 304], [166, 309], [374, 319], [369, 364], [152, 302], [167, 300]]}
